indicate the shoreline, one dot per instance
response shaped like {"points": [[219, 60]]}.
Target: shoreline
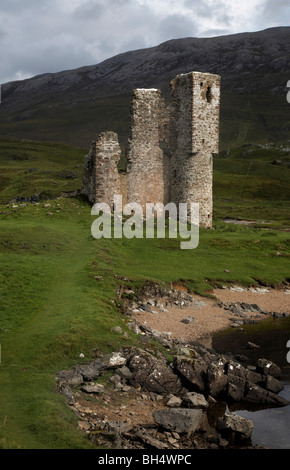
{"points": [[140, 386], [210, 316]]}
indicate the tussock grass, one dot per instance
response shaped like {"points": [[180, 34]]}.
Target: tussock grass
{"points": [[58, 285]]}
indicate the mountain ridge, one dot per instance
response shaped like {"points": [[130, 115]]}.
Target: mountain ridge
{"points": [[72, 106]]}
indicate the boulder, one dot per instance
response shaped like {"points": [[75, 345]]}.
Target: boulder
{"points": [[151, 374], [266, 367], [117, 427], [150, 441], [234, 428], [117, 329], [236, 388], [68, 394], [163, 337], [174, 402], [235, 369], [253, 377], [145, 307], [180, 420], [272, 384], [183, 351], [89, 372], [113, 360], [217, 379], [124, 372], [97, 388], [276, 400], [188, 320], [256, 394], [194, 400], [70, 377], [134, 327], [84, 425], [192, 371]]}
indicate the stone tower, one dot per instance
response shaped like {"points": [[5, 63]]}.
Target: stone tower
{"points": [[195, 103], [147, 164], [101, 179], [170, 149]]}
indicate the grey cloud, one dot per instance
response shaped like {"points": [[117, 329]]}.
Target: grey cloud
{"points": [[177, 26], [204, 8], [277, 10], [2, 34], [211, 11], [90, 10], [19, 7], [200, 8], [42, 36], [214, 32], [50, 57]]}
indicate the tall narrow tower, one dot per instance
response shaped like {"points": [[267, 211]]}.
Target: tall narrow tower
{"points": [[194, 140], [148, 166]]}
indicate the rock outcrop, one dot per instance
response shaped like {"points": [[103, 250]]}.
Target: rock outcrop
{"points": [[185, 389]]}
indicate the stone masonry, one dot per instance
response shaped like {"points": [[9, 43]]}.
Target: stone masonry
{"points": [[101, 178], [169, 152], [195, 114], [148, 176]]}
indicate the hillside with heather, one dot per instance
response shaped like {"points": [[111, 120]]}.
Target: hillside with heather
{"points": [[73, 106]]}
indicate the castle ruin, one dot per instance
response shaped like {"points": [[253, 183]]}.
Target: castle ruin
{"points": [[170, 148]]}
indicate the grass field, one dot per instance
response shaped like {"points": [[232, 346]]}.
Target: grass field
{"points": [[252, 182], [58, 284]]}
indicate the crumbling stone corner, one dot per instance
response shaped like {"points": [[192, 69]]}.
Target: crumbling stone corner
{"points": [[101, 179]]}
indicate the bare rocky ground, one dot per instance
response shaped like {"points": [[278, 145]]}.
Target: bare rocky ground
{"points": [[231, 307], [135, 399]]}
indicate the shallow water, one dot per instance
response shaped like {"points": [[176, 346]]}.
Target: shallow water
{"points": [[271, 425]]}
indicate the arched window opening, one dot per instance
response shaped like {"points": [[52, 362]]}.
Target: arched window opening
{"points": [[208, 94]]}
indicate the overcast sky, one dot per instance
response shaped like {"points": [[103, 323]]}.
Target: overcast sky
{"points": [[38, 36]]}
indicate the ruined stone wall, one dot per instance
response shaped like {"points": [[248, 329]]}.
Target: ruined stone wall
{"points": [[147, 164], [101, 178], [195, 112], [170, 149], [123, 187]]}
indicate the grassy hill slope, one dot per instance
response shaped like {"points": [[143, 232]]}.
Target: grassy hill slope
{"points": [[58, 285], [73, 106], [251, 181]]}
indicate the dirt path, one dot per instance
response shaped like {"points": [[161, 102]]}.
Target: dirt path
{"points": [[210, 318]]}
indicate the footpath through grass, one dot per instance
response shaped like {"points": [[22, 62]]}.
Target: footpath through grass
{"points": [[57, 287], [52, 309]]}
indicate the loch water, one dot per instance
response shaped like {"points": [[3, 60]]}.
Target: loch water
{"points": [[271, 425]]}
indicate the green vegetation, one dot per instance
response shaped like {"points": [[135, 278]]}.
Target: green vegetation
{"points": [[252, 182], [257, 116], [74, 118], [58, 285], [29, 168]]}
